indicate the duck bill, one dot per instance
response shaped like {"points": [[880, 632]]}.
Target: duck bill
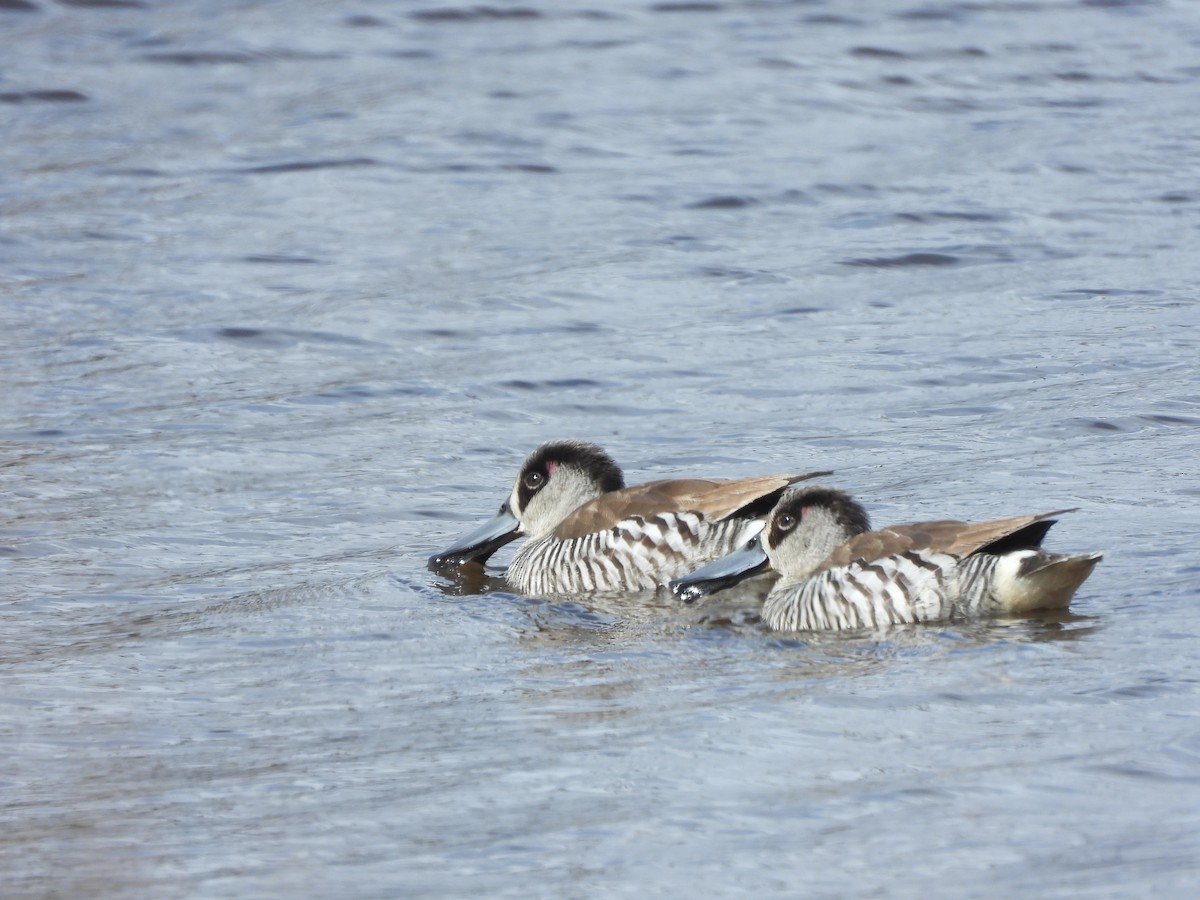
{"points": [[481, 543], [722, 573]]}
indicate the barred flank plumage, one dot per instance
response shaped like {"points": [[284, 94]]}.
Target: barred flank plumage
{"points": [[925, 586], [896, 590], [638, 553]]}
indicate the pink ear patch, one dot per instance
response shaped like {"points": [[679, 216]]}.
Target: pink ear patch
{"points": [[550, 467], [803, 511]]}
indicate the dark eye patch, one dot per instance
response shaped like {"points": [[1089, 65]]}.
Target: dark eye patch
{"points": [[783, 523], [532, 481]]}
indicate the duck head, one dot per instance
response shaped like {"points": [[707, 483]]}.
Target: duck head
{"points": [[555, 480], [806, 525]]}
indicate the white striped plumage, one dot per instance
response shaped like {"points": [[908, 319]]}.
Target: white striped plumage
{"points": [[638, 553], [917, 586]]}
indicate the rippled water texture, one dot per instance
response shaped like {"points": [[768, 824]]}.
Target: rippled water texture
{"points": [[287, 290]]}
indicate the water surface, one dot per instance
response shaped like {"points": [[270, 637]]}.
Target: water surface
{"points": [[288, 290]]}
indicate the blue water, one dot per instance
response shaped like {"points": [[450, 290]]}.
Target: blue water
{"points": [[287, 291]]}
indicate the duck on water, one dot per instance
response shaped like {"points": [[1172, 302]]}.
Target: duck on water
{"points": [[587, 531], [836, 574]]}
